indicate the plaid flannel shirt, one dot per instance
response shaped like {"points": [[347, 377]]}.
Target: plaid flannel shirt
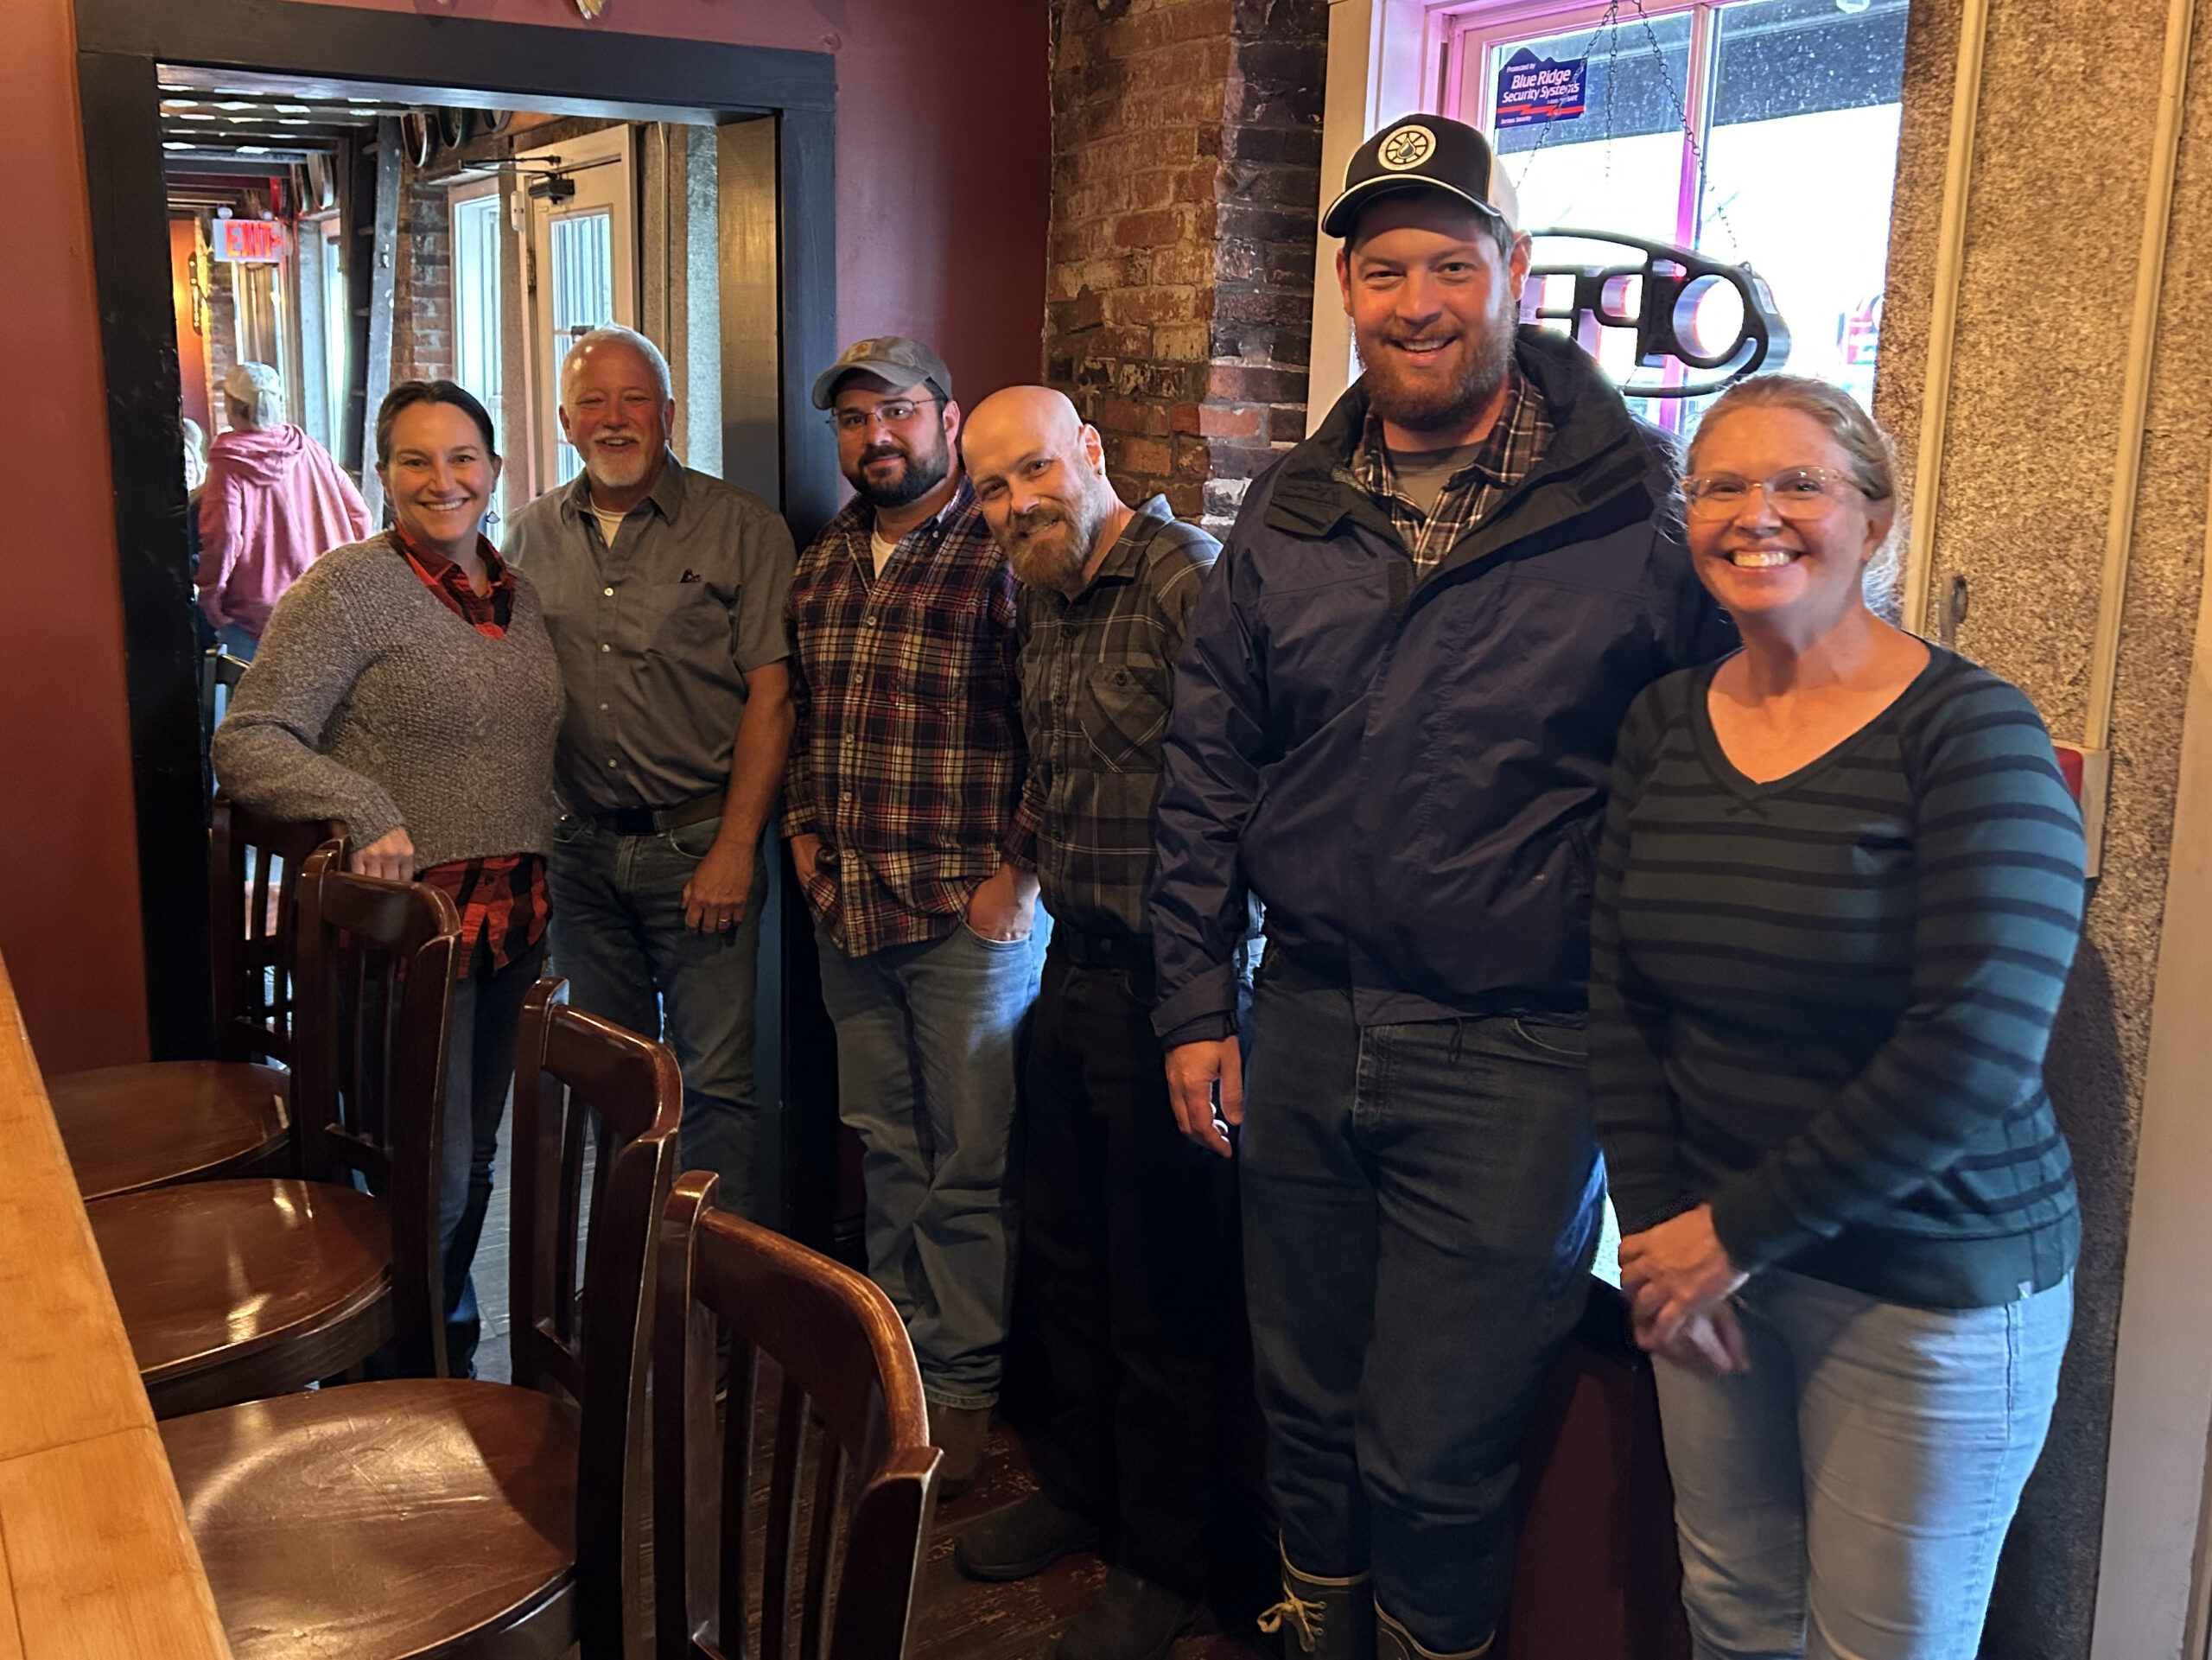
{"points": [[1515, 445], [907, 757], [1097, 680]]}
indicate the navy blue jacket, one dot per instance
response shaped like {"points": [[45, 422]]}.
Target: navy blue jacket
{"points": [[1412, 776]]}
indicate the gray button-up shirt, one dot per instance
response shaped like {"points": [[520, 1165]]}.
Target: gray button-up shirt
{"points": [[656, 634]]}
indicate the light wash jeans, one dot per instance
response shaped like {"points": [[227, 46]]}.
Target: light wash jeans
{"points": [[1846, 1497], [925, 1074], [619, 936], [1421, 1203]]}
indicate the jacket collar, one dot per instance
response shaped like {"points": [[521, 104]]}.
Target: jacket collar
{"points": [[1597, 451]]}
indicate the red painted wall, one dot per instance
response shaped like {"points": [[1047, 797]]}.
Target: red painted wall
{"points": [[942, 177], [69, 863]]}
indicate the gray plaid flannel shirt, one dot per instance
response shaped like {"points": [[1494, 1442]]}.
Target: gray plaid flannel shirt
{"points": [[1097, 680], [1515, 445]]}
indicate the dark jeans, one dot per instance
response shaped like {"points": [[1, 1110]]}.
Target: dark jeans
{"points": [[1124, 1252], [619, 936], [479, 1070], [1421, 1204]]}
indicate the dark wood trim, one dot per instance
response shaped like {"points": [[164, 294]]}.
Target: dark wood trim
{"points": [[123, 46], [409, 57], [123, 166]]}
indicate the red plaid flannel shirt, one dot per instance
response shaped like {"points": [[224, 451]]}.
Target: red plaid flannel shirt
{"points": [[502, 897], [908, 759]]}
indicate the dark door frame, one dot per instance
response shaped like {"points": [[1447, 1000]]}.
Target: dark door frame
{"points": [[121, 45]]}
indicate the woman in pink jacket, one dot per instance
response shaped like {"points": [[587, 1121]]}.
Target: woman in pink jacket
{"points": [[274, 502]]}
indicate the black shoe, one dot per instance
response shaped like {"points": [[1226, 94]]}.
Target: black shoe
{"points": [[1021, 1540], [1130, 1618]]}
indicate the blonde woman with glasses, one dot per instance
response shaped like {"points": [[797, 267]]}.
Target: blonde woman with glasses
{"points": [[1839, 891]]}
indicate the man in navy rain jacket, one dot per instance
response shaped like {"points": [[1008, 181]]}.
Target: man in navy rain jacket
{"points": [[1393, 720]]}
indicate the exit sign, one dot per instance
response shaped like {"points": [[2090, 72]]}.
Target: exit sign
{"points": [[249, 241]]}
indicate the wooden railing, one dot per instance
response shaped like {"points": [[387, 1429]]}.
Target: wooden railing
{"points": [[95, 1558]]}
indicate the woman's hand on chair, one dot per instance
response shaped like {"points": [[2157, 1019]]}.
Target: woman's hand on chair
{"points": [[391, 856]]}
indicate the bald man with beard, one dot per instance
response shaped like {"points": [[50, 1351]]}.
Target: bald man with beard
{"points": [[1124, 1220]]}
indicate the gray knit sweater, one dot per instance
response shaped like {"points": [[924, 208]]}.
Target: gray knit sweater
{"points": [[372, 702]]}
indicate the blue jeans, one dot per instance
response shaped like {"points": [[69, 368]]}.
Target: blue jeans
{"points": [[1845, 1498], [925, 1075], [1421, 1203], [234, 640], [479, 1070], [619, 936]]}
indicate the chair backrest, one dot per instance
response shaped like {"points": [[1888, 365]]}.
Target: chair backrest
{"points": [[379, 961], [254, 869], [848, 1405], [580, 1080]]}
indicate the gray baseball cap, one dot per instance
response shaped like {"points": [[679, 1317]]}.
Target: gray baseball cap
{"points": [[891, 357]]}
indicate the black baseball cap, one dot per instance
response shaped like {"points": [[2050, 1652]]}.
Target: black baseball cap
{"points": [[1423, 152]]}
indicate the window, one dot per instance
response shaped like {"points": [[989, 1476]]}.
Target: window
{"points": [[337, 311], [582, 297], [1758, 131], [476, 302]]}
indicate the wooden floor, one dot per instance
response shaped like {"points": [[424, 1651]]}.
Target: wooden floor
{"points": [[963, 1620]]}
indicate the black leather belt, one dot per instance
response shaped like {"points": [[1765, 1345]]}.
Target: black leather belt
{"points": [[1089, 950], [648, 821]]}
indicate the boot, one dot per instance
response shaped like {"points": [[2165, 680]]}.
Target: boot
{"points": [[1327, 1620], [959, 1433], [1022, 1540], [1394, 1642]]}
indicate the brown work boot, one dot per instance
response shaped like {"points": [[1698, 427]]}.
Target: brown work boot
{"points": [[1323, 1619], [958, 1433], [1395, 1642]]}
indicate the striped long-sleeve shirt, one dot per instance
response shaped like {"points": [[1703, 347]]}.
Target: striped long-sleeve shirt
{"points": [[1821, 1002]]}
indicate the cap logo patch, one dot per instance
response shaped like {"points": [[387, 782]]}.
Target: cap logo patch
{"points": [[1406, 148]]}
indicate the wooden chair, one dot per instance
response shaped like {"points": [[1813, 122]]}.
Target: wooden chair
{"points": [[453, 1517], [1598, 1574], [244, 1288], [850, 1404], [130, 1128]]}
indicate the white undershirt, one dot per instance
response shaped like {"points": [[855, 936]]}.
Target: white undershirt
{"points": [[881, 549], [608, 523]]}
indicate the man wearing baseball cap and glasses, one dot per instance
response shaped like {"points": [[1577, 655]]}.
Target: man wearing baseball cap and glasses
{"points": [[1394, 721], [902, 801]]}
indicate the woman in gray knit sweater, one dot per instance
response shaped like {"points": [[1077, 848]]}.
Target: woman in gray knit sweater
{"points": [[406, 686]]}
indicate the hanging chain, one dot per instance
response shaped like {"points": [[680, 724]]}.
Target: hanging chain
{"points": [[1611, 21]]}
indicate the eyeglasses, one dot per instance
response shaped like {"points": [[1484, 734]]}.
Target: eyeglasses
{"points": [[894, 413], [1796, 493]]}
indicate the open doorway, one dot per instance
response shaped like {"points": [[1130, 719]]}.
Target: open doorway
{"points": [[413, 179]]}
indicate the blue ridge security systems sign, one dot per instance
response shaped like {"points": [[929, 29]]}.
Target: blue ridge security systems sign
{"points": [[1532, 89]]}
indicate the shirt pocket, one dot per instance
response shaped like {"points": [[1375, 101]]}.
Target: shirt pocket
{"points": [[688, 621], [1123, 709]]}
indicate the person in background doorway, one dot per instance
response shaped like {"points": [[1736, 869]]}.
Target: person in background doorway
{"points": [[903, 806], [1839, 891], [1393, 720], [195, 459], [664, 593], [1124, 1221], [407, 688], [273, 503]]}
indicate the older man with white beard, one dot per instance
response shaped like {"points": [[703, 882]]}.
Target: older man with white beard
{"points": [[663, 591], [1125, 1222], [1394, 721]]}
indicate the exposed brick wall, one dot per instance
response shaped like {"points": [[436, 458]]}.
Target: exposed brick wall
{"points": [[422, 289], [1187, 142]]}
